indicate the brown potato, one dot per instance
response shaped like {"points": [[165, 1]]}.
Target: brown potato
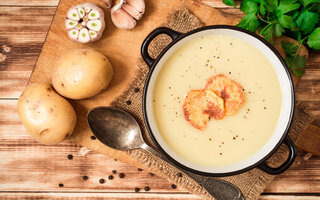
{"points": [[82, 73], [47, 116]]}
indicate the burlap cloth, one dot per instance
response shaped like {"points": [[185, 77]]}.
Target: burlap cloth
{"points": [[251, 183]]}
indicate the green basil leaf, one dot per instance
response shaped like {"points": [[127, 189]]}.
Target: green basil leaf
{"points": [[229, 2], [290, 49], [307, 20], [314, 39], [286, 6], [249, 22], [287, 22]]}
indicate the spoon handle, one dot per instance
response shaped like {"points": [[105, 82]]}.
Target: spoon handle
{"points": [[219, 189]]}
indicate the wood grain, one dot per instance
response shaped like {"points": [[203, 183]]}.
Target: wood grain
{"points": [[36, 168], [26, 165]]}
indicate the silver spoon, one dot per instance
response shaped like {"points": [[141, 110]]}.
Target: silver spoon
{"points": [[119, 130]]}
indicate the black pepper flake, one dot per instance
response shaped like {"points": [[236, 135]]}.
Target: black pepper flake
{"points": [[179, 174], [115, 159], [234, 138], [200, 47], [128, 102], [70, 157], [93, 137], [147, 188], [85, 178], [139, 169], [61, 185], [265, 107], [220, 154], [121, 175], [173, 186], [114, 171], [110, 177], [210, 139], [136, 189], [222, 142], [242, 138], [136, 90], [229, 72]]}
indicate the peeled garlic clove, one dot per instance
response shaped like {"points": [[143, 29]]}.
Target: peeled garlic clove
{"points": [[122, 19], [92, 34], [94, 25], [84, 35], [71, 24], [73, 14], [73, 34], [94, 14], [85, 23], [81, 12], [132, 11], [139, 5]]}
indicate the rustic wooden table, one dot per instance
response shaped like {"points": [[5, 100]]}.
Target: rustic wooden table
{"points": [[29, 170]]}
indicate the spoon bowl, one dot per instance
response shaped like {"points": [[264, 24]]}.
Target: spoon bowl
{"points": [[115, 128]]}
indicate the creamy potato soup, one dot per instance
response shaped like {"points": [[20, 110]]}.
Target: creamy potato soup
{"points": [[234, 138]]}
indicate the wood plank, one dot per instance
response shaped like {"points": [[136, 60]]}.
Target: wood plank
{"points": [[29, 2], [29, 166], [22, 33], [132, 196]]}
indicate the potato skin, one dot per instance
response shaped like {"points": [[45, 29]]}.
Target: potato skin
{"points": [[47, 116], [82, 73]]}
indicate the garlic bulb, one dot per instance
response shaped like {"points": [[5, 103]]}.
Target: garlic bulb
{"points": [[125, 13], [85, 23]]}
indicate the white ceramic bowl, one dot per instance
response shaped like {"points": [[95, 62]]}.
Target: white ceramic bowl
{"points": [[286, 114]]}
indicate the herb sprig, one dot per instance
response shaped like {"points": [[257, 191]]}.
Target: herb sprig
{"points": [[298, 19]]}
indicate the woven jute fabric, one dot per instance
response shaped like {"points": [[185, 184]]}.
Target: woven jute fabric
{"points": [[251, 183]]}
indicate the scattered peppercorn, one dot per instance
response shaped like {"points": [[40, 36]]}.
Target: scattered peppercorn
{"points": [[61, 185], [121, 175], [179, 174], [136, 90], [110, 177], [93, 137], [147, 188], [173, 186], [70, 157], [85, 178], [101, 181], [114, 171], [139, 169], [220, 154], [136, 189], [128, 102]]}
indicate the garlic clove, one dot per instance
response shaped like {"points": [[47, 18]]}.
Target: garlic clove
{"points": [[73, 14], [81, 12], [87, 9], [139, 5], [94, 25], [118, 5], [92, 34], [94, 14], [84, 35], [73, 34], [132, 11], [70, 24], [122, 19]]}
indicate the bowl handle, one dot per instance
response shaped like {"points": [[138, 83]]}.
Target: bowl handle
{"points": [[144, 47], [292, 155]]}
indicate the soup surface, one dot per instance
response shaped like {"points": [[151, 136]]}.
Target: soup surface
{"points": [[234, 138]]}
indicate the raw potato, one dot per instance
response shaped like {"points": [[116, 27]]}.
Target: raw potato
{"points": [[47, 116], [82, 73]]}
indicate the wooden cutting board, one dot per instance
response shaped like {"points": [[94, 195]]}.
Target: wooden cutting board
{"points": [[122, 47]]}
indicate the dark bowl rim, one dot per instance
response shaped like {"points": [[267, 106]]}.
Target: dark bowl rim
{"points": [[184, 35]]}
